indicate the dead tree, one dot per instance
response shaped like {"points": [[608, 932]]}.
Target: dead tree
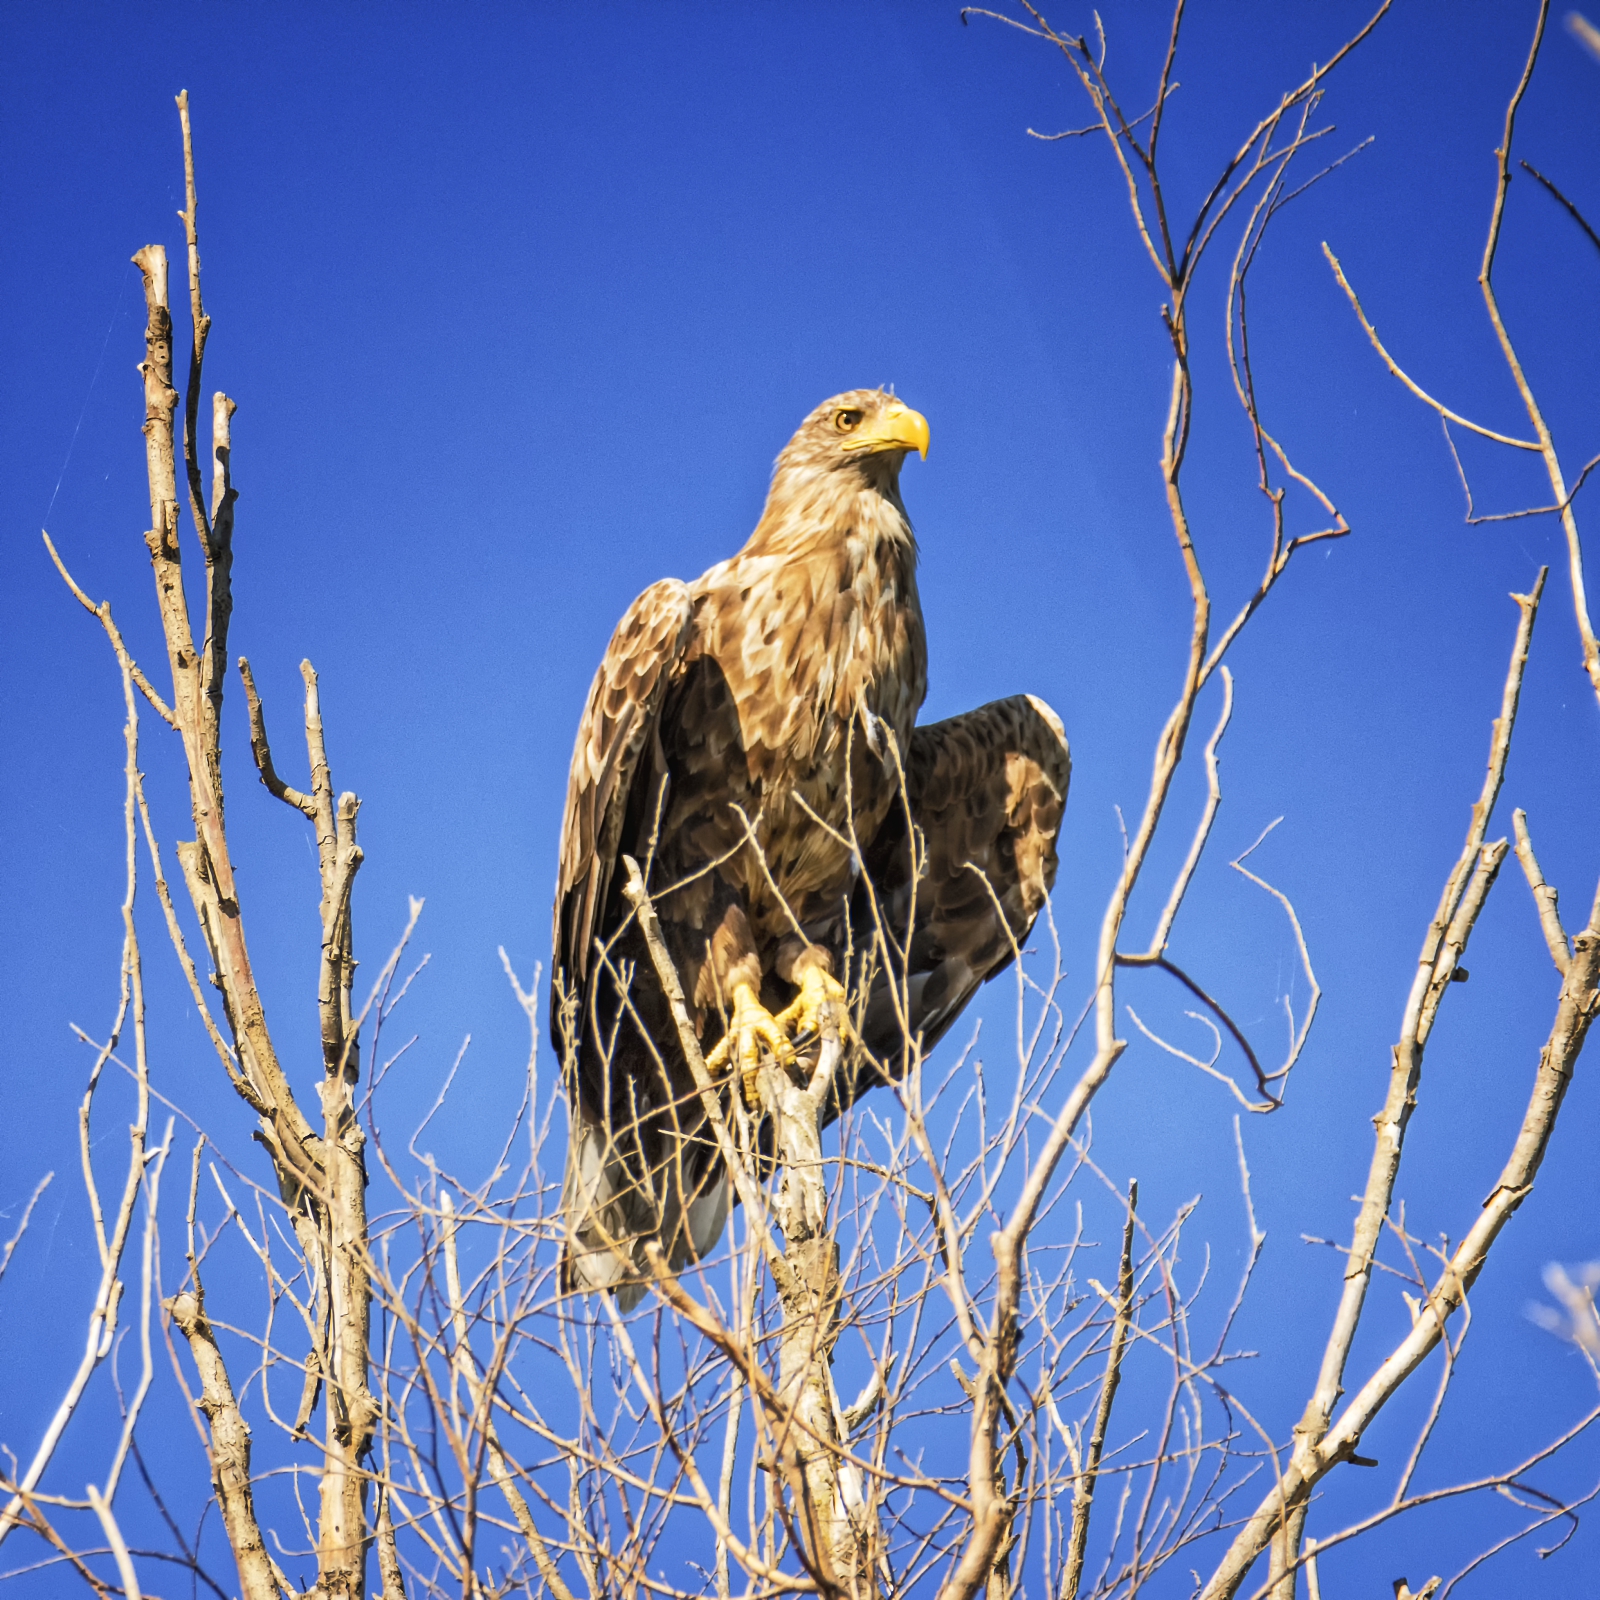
{"points": [[320, 1175], [923, 1252]]}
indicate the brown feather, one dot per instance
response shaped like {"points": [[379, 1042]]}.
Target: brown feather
{"points": [[617, 721]]}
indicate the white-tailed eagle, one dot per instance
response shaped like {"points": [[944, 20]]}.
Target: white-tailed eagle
{"points": [[742, 731]]}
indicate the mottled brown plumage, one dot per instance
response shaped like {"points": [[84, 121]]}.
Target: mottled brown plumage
{"points": [[741, 730]]}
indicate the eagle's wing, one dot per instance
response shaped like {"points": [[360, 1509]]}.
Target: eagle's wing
{"points": [[611, 804], [986, 792], [619, 721]]}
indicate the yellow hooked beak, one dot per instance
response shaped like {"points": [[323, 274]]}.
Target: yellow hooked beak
{"points": [[896, 427]]}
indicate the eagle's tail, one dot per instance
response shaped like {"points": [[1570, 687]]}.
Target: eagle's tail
{"points": [[612, 1216]]}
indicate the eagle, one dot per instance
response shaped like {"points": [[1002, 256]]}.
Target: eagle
{"points": [[750, 740]]}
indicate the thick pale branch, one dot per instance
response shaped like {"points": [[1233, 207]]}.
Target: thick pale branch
{"points": [[840, 1547], [351, 1411], [322, 1181], [1441, 949], [230, 1450], [1544, 894], [394, 1583], [130, 667], [841, 1522], [262, 750], [1400, 1507], [208, 868], [340, 1056]]}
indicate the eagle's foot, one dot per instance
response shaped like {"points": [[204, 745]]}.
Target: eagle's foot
{"points": [[751, 1029], [820, 994]]}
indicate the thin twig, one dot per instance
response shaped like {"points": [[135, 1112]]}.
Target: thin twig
{"points": [[1083, 1492], [22, 1227], [103, 612], [1576, 215], [1399, 372]]}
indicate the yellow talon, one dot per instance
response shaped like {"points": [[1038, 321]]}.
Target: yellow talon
{"points": [[751, 1029], [820, 992]]}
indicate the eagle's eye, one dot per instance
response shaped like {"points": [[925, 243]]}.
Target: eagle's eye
{"points": [[846, 421]]}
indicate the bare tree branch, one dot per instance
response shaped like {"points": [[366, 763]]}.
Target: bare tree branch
{"points": [[1083, 1492]]}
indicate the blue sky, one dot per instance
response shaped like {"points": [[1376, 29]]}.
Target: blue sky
{"points": [[519, 303]]}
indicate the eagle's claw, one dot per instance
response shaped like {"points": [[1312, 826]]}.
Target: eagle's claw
{"points": [[751, 1029], [820, 993]]}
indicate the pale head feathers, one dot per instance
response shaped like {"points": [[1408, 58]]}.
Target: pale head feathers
{"points": [[840, 473]]}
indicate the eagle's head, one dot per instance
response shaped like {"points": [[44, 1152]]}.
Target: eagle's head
{"points": [[867, 431], [841, 472]]}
